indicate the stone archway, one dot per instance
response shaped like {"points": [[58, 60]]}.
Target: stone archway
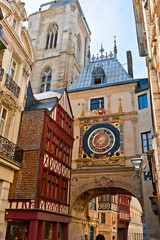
{"points": [[87, 184]]}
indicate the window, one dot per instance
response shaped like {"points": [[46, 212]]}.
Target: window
{"points": [[12, 69], [3, 118], [97, 81], [146, 141], [46, 80], [52, 37], [78, 54], [14, 23], [91, 233], [95, 103], [102, 217], [142, 101], [93, 204], [147, 176]]}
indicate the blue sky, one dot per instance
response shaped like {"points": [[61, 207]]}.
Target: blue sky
{"points": [[108, 18]]}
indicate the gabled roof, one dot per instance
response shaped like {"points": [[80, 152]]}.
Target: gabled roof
{"points": [[48, 100]]}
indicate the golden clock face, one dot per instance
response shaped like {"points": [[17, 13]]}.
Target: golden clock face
{"points": [[100, 139]]}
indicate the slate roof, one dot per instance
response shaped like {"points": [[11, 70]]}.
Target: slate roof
{"points": [[142, 84], [46, 100], [114, 74], [44, 104]]}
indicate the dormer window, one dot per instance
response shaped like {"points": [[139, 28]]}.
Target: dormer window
{"points": [[97, 81], [98, 75]]}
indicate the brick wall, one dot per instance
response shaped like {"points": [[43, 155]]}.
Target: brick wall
{"points": [[31, 130], [25, 181]]}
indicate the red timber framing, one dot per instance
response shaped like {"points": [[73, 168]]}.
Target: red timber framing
{"points": [[124, 214], [48, 213], [55, 165]]}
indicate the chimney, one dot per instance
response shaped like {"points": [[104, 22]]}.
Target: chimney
{"points": [[129, 63]]}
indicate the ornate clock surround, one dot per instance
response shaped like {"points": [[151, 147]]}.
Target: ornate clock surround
{"points": [[101, 140]]}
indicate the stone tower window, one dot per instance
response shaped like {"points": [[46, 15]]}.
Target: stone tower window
{"points": [[78, 54], [52, 37], [46, 80]]}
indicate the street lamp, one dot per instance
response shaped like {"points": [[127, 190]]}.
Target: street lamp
{"points": [[137, 164]]}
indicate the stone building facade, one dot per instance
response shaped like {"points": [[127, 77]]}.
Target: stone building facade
{"points": [[104, 93], [147, 16], [16, 61], [60, 37], [135, 230]]}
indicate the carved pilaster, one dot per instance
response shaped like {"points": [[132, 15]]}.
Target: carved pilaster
{"points": [[134, 123], [132, 100], [109, 103]]}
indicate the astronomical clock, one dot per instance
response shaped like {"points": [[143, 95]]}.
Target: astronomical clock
{"points": [[101, 139]]}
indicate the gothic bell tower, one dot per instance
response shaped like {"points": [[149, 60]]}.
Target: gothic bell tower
{"points": [[60, 36]]}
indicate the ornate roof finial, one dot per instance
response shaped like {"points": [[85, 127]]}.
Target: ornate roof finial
{"points": [[101, 50], [100, 103], [120, 105], [93, 58], [83, 112], [89, 54], [115, 47]]}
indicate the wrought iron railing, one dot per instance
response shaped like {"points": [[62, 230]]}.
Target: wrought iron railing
{"points": [[10, 149], [12, 85], [1, 73]]}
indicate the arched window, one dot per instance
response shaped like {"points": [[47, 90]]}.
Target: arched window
{"points": [[91, 233], [46, 80], [52, 37], [78, 55]]}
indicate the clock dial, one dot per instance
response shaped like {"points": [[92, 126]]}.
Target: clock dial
{"points": [[100, 139]]}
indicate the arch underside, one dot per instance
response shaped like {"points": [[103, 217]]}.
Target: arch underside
{"points": [[85, 187]]}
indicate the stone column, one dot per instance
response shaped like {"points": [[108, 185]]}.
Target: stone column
{"points": [[4, 191]]}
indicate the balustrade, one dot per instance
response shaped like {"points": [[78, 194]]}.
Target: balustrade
{"points": [[10, 149]]}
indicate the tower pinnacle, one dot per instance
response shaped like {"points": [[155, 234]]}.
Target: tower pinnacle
{"points": [[115, 47]]}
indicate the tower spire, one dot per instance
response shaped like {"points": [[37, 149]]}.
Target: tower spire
{"points": [[115, 47], [89, 54]]}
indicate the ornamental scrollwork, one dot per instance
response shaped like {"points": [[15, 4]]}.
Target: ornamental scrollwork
{"points": [[104, 181]]}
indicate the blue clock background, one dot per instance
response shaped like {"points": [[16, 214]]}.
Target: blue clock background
{"points": [[107, 126]]}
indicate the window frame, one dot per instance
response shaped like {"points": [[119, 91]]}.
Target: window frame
{"points": [[4, 120], [148, 145], [12, 69], [98, 99], [91, 233], [52, 37], [142, 101], [46, 80]]}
